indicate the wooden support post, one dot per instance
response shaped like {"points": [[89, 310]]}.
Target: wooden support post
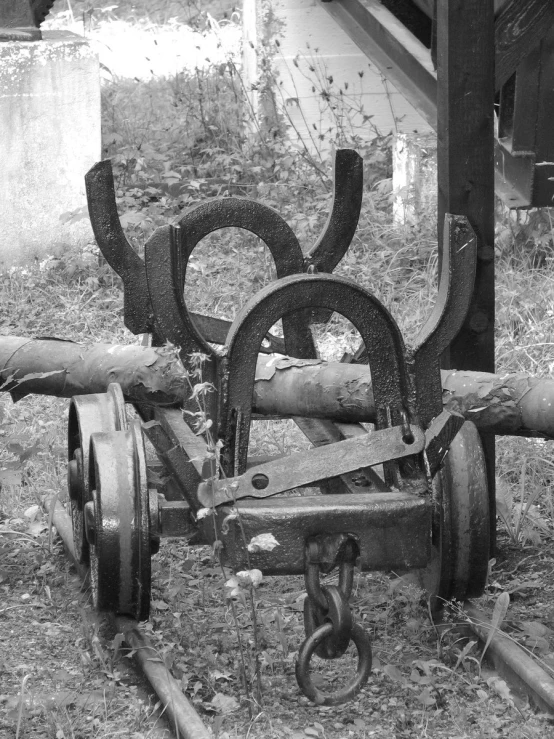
{"points": [[465, 162]]}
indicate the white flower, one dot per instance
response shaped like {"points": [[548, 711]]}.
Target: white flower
{"points": [[263, 543], [250, 577], [233, 587], [203, 513]]}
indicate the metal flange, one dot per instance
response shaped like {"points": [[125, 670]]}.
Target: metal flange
{"points": [[88, 414], [464, 536], [117, 523], [458, 567]]}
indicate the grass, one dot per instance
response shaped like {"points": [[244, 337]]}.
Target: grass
{"points": [[176, 141]]}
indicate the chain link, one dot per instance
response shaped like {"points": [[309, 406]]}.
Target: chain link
{"points": [[353, 686], [328, 618]]}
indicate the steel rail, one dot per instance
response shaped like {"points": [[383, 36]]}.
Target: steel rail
{"points": [[181, 714], [512, 663]]}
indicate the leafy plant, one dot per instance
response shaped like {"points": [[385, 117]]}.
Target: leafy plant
{"points": [[523, 519]]}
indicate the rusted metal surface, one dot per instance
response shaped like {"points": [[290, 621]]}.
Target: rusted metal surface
{"points": [[392, 391], [323, 554], [328, 619], [88, 414], [181, 715], [322, 432], [306, 468], [175, 518], [353, 687], [124, 260], [116, 250], [117, 523], [515, 664], [438, 438], [392, 529], [465, 535], [339, 230], [391, 522], [461, 541], [167, 253], [177, 446], [456, 285], [197, 223], [511, 661]]}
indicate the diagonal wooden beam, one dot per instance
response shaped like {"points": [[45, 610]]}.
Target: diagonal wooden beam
{"points": [[519, 26], [394, 50], [427, 6], [406, 62]]}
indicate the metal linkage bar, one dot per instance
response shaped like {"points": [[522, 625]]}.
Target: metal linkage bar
{"points": [[308, 468]]}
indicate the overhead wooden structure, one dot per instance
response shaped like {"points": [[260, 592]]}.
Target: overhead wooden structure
{"points": [[401, 36]]}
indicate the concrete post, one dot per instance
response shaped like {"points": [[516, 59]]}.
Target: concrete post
{"points": [[50, 137], [414, 177]]}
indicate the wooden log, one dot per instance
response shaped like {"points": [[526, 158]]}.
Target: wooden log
{"points": [[64, 368], [501, 404]]}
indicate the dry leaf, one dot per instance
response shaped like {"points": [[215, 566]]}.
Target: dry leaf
{"points": [[224, 703]]}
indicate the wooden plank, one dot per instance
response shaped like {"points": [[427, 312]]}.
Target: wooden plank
{"points": [[526, 104], [520, 26], [427, 6], [543, 186], [465, 157], [465, 162], [513, 177], [506, 112]]}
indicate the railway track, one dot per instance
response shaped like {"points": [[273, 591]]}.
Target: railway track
{"points": [[515, 665], [181, 715]]}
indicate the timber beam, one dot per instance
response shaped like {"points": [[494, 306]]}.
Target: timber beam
{"points": [[519, 26], [406, 62]]}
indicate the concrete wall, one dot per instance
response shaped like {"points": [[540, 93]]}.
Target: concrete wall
{"points": [[50, 137], [309, 37]]}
